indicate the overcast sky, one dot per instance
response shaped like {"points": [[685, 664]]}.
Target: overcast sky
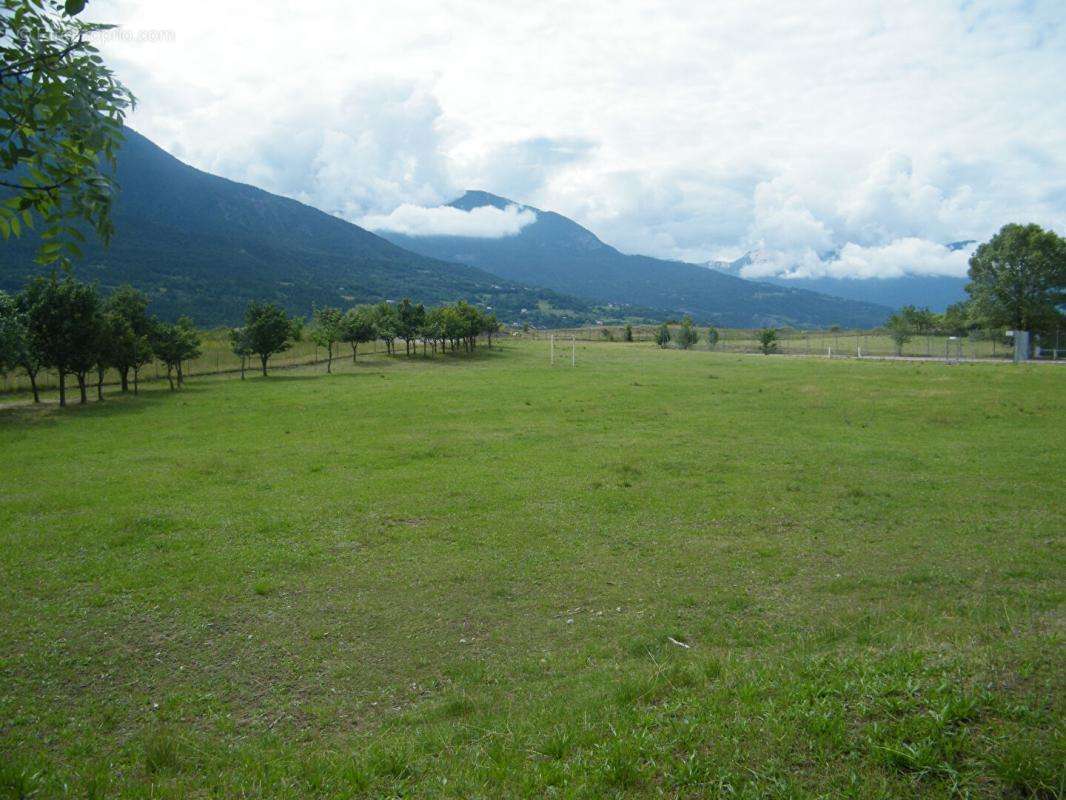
{"points": [[687, 130]]}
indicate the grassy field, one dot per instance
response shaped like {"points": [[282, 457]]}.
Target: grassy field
{"points": [[660, 573]]}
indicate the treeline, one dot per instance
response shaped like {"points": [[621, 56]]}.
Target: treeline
{"points": [[61, 324]]}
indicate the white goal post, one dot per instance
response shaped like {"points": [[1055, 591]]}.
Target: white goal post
{"points": [[573, 351]]}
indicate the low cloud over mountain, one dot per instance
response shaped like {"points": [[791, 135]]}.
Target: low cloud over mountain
{"points": [[486, 222]]}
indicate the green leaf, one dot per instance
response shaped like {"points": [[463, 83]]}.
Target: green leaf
{"points": [[74, 7]]}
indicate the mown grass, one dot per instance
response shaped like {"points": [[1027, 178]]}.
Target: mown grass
{"points": [[475, 577]]}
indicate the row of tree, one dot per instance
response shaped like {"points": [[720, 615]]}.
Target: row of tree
{"points": [[66, 326], [456, 326], [60, 324], [684, 337]]}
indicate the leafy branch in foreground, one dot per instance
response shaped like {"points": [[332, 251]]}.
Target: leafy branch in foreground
{"points": [[61, 116]]}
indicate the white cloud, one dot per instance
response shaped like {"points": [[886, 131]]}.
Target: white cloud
{"points": [[487, 222], [904, 256], [907, 256], [678, 129]]}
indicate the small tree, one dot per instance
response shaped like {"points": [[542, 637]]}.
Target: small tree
{"points": [[687, 335], [141, 353], [269, 330], [957, 319], [241, 347], [900, 329], [328, 329], [489, 326], [921, 321], [109, 336], [174, 345], [768, 341], [409, 321], [433, 328], [62, 319], [712, 337], [387, 323], [358, 327], [662, 336], [627, 334], [131, 327]]}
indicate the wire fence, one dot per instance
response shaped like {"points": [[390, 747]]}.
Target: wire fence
{"points": [[978, 345]]}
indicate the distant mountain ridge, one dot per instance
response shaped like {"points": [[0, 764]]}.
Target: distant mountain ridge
{"points": [[204, 246], [558, 253], [935, 291]]}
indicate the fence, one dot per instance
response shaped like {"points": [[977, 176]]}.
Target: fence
{"points": [[839, 344]]}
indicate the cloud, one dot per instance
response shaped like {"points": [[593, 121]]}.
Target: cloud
{"points": [[907, 256], [486, 222]]}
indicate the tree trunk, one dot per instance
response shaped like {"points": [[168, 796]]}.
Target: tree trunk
{"points": [[99, 383], [33, 385], [62, 388], [136, 375], [329, 358], [242, 368], [125, 374], [81, 387], [263, 358], [181, 375], [170, 376]]}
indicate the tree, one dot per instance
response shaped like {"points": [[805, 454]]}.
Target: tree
{"points": [[358, 327], [327, 330], [433, 328], [900, 329], [687, 335], [409, 321], [627, 334], [387, 324], [12, 333], [131, 329], [922, 321], [16, 345], [662, 336], [768, 341], [269, 330], [174, 344], [108, 335], [62, 112], [62, 320], [712, 337], [489, 326], [957, 319], [239, 344], [1018, 278]]}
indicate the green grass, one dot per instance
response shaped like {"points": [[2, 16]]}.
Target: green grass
{"points": [[468, 577]]}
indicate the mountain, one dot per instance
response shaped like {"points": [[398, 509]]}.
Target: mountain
{"points": [[556, 252], [204, 246], [935, 291]]}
